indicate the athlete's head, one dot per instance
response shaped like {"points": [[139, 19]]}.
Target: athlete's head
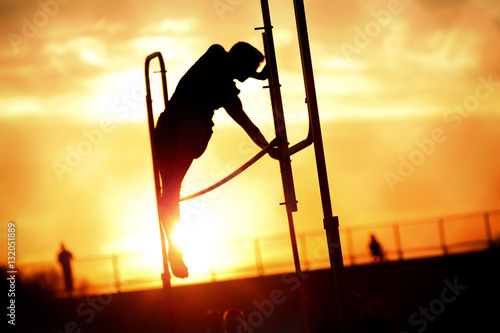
{"points": [[245, 60]]}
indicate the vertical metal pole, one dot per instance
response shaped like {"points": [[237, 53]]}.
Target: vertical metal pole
{"points": [[397, 238], [331, 223], [442, 238], [280, 128], [277, 106], [258, 257], [487, 225], [285, 162], [350, 246], [116, 273], [303, 245], [167, 288]]}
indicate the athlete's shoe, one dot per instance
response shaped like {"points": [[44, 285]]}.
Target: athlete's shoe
{"points": [[177, 265]]}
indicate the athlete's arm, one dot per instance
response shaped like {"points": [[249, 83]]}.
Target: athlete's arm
{"points": [[234, 109]]}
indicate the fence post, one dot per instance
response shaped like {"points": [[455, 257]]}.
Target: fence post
{"points": [[303, 246], [116, 273], [397, 239], [442, 238], [487, 225], [258, 257], [350, 246]]}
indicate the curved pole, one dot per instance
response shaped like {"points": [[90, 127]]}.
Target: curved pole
{"points": [[149, 104], [163, 76], [151, 126], [235, 173], [304, 143]]}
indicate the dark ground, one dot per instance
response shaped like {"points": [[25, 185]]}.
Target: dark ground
{"points": [[456, 293]]}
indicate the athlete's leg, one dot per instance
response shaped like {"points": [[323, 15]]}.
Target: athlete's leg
{"points": [[192, 141]]}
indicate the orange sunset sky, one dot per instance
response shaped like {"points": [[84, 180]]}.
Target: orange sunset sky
{"points": [[399, 82]]}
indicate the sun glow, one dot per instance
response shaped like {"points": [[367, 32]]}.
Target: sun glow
{"points": [[94, 190], [196, 239]]}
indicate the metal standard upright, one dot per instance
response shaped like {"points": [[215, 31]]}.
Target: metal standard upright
{"points": [[285, 162], [330, 222]]}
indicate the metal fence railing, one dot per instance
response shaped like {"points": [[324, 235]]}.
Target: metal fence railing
{"points": [[272, 254]]}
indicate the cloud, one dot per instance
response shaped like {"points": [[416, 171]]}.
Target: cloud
{"points": [[59, 60], [88, 40]]}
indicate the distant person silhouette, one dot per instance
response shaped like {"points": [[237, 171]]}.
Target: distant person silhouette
{"points": [[185, 127], [376, 249], [234, 321], [213, 321], [64, 259]]}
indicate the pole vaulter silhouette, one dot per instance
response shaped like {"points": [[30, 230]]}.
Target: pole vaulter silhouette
{"points": [[184, 129]]}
